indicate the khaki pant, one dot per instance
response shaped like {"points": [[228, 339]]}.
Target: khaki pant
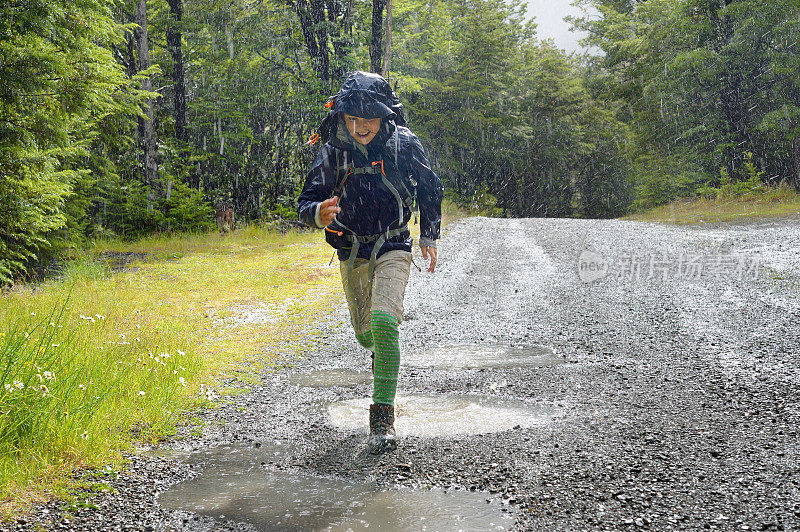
{"points": [[387, 290]]}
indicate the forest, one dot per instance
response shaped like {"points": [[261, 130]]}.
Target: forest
{"points": [[131, 117]]}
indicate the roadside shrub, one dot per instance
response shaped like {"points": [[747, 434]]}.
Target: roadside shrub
{"points": [[746, 180]]}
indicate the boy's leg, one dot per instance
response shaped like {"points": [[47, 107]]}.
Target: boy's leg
{"points": [[388, 291], [357, 291]]}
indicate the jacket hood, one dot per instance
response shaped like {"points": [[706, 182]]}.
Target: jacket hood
{"points": [[368, 95], [365, 95]]}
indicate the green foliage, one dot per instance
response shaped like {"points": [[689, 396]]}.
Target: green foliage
{"points": [[59, 80], [702, 83], [505, 116], [746, 180], [661, 179]]}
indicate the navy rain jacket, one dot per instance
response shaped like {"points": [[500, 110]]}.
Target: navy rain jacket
{"points": [[368, 207]]}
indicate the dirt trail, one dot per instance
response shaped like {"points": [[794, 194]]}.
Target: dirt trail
{"points": [[665, 395]]}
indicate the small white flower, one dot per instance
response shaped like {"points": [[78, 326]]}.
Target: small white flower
{"points": [[43, 389], [82, 386], [141, 392], [182, 381], [49, 375], [87, 318], [55, 345], [18, 384], [33, 314], [84, 435], [7, 387], [100, 316], [181, 353]]}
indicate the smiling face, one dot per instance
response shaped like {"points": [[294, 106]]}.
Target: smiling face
{"points": [[362, 129]]}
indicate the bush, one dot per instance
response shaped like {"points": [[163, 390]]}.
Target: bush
{"points": [[662, 179], [749, 181]]}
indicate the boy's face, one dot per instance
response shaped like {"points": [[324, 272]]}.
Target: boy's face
{"points": [[362, 129]]}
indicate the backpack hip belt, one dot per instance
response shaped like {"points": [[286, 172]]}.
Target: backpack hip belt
{"points": [[379, 239]]}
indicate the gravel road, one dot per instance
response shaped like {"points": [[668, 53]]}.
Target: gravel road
{"points": [[672, 403]]}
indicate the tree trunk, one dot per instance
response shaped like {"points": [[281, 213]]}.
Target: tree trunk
{"points": [[376, 44], [174, 44], [312, 24], [147, 125], [343, 40], [796, 163], [387, 54]]}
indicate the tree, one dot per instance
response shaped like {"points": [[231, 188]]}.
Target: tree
{"points": [[704, 83], [376, 49], [175, 46], [147, 128], [326, 24], [58, 82], [387, 53]]}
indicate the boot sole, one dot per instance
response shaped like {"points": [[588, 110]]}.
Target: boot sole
{"points": [[384, 447]]}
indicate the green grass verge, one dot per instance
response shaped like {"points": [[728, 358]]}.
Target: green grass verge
{"points": [[770, 203]]}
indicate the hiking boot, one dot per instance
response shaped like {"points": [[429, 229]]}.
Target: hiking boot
{"points": [[381, 429]]}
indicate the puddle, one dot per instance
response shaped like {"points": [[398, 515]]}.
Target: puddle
{"points": [[442, 416], [235, 486], [330, 378], [482, 356]]}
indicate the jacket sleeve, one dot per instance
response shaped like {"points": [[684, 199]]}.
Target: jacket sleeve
{"points": [[319, 186], [429, 194]]}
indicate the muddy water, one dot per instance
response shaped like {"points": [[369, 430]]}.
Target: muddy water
{"points": [[236, 485], [482, 356], [330, 378], [443, 416]]}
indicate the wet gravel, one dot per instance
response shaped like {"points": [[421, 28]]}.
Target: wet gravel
{"points": [[678, 402]]}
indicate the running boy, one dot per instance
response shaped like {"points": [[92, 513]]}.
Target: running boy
{"points": [[361, 188]]}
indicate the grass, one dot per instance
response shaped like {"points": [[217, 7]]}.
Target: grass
{"points": [[103, 358], [773, 202], [97, 360]]}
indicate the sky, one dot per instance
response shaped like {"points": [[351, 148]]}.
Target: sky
{"points": [[550, 19]]}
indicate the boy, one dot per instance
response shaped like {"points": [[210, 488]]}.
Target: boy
{"points": [[360, 189]]}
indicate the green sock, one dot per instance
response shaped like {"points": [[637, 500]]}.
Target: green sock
{"points": [[365, 339], [387, 357]]}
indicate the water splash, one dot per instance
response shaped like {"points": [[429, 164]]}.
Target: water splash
{"points": [[445, 416]]}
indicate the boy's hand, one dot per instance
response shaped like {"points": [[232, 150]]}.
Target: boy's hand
{"points": [[328, 210], [430, 250]]}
